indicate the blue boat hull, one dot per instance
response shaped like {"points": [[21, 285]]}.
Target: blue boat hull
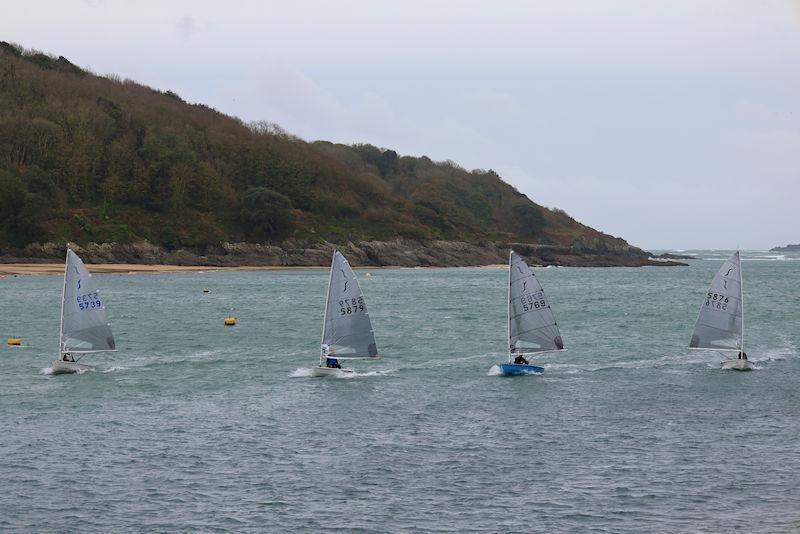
{"points": [[511, 369]]}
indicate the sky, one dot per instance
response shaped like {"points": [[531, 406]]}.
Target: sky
{"points": [[674, 124]]}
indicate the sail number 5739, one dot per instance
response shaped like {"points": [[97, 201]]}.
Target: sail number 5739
{"points": [[89, 301]]}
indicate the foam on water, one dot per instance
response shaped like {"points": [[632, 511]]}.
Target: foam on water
{"points": [[301, 372]]}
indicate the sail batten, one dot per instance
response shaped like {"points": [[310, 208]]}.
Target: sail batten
{"points": [[532, 326], [719, 322], [347, 331], [84, 323]]}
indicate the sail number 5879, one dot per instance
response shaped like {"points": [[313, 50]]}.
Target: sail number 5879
{"points": [[351, 306]]}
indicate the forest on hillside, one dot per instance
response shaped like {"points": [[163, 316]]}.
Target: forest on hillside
{"points": [[90, 158]]}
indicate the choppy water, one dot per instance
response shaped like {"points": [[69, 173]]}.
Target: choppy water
{"points": [[201, 427]]}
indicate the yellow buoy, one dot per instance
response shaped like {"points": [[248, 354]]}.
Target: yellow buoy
{"points": [[14, 341], [205, 290], [230, 321]]}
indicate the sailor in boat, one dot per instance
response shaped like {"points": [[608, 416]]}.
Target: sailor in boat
{"points": [[520, 359], [68, 357], [742, 355], [330, 361]]}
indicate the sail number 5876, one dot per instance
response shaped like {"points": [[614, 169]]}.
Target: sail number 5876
{"points": [[716, 301]]}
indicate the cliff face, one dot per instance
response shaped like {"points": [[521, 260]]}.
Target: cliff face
{"points": [[91, 159], [398, 252]]}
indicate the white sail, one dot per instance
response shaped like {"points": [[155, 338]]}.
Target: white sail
{"points": [[532, 326], [84, 325], [347, 331], [719, 325]]}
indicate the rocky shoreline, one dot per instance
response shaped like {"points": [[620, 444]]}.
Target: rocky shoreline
{"points": [[395, 253]]}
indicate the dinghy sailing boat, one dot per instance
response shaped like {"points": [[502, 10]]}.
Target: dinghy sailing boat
{"points": [[84, 325], [532, 327], [346, 329], [720, 324]]}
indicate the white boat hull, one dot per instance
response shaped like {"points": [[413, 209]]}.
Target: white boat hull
{"points": [[320, 371], [738, 365], [61, 367]]}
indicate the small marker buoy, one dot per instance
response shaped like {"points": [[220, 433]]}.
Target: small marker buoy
{"points": [[230, 321], [205, 290], [14, 341], [368, 274]]}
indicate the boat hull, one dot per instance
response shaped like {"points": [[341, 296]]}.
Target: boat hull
{"points": [[62, 367], [516, 369], [738, 365], [320, 371]]}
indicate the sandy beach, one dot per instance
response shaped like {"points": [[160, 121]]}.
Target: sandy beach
{"points": [[7, 269], [58, 268]]}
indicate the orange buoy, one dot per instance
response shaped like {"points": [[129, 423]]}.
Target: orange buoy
{"points": [[14, 341], [230, 321], [205, 290]]}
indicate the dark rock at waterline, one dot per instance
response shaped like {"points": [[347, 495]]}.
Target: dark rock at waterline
{"points": [[398, 252]]}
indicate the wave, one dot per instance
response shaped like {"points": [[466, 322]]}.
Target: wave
{"points": [[49, 371], [305, 372]]}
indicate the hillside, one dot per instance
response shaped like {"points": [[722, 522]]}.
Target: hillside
{"points": [[85, 158]]}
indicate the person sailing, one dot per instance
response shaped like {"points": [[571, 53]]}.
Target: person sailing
{"points": [[742, 355], [330, 361], [68, 357], [520, 359]]}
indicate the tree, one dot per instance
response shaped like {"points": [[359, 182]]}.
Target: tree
{"points": [[529, 219], [265, 213]]}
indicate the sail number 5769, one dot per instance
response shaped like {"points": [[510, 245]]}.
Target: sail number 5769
{"points": [[533, 302]]}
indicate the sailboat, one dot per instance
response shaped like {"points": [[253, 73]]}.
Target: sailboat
{"points": [[84, 325], [532, 327], [720, 325], [346, 329]]}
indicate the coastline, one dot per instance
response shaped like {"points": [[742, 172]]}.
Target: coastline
{"points": [[47, 258]]}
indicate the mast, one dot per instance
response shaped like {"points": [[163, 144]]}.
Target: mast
{"points": [[741, 296], [325, 317], [508, 307], [63, 292]]}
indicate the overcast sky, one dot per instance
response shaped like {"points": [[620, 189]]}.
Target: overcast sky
{"points": [[673, 124]]}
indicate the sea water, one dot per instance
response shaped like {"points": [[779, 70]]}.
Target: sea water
{"points": [[197, 426]]}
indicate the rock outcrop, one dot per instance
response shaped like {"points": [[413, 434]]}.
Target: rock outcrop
{"points": [[398, 252]]}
